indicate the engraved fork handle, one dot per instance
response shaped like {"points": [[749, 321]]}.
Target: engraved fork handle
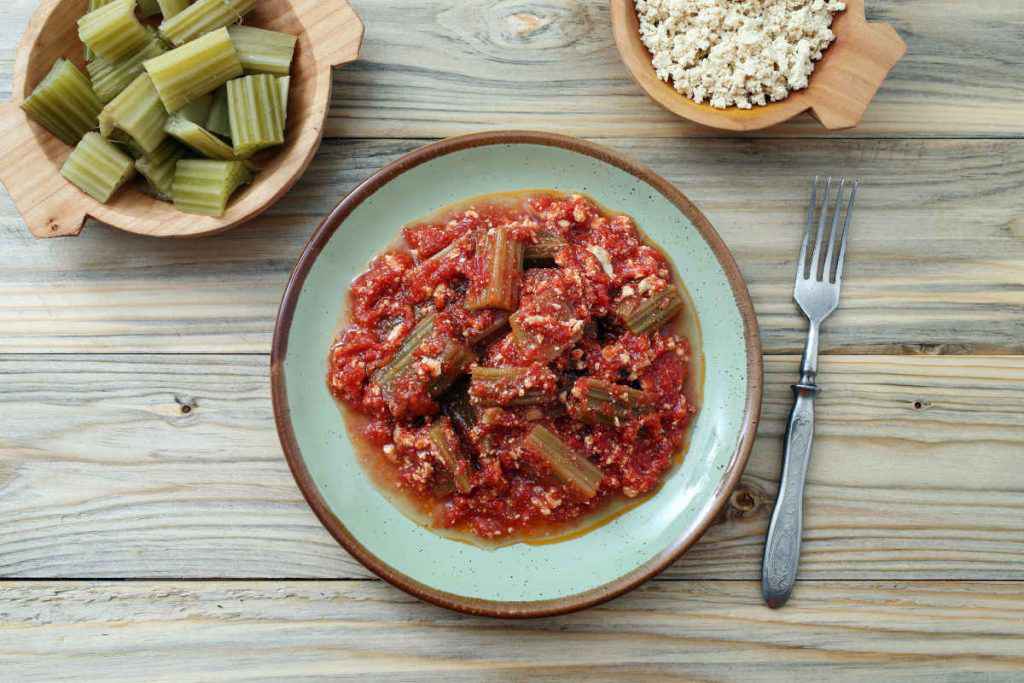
{"points": [[782, 547]]}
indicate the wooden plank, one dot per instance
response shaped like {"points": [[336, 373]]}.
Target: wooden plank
{"points": [[455, 66], [169, 466], [935, 263], [220, 631]]}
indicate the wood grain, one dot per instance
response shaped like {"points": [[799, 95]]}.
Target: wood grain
{"points": [[329, 34], [935, 263], [841, 88], [283, 631], [445, 67], [169, 466]]}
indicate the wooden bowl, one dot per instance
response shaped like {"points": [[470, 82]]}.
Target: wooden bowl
{"points": [[841, 87], [329, 34]]}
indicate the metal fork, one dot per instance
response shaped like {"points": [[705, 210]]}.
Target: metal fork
{"points": [[819, 279]]}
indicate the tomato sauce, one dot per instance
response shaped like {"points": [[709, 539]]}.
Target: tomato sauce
{"points": [[566, 330]]}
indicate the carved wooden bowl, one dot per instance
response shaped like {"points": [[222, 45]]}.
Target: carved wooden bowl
{"points": [[329, 34], [840, 90]]}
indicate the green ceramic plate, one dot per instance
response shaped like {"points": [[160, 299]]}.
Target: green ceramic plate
{"points": [[519, 580]]}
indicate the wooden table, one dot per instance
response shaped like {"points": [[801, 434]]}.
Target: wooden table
{"points": [[150, 529]]}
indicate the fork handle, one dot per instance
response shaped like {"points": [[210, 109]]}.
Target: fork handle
{"points": [[782, 547]]}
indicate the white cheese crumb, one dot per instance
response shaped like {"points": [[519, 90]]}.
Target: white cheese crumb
{"points": [[602, 256], [736, 52]]}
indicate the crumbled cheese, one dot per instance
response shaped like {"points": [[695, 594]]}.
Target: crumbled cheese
{"points": [[432, 366], [602, 256], [736, 52], [396, 332], [651, 283]]}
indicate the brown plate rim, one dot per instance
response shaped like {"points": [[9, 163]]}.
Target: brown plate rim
{"points": [[493, 608]]}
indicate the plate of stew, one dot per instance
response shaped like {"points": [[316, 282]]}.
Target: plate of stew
{"points": [[516, 374]]}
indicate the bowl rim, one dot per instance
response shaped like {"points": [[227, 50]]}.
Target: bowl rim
{"points": [[495, 608]]}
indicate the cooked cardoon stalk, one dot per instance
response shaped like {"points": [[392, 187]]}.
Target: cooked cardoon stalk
{"points": [[64, 103], [188, 72], [97, 167], [218, 121], [650, 315], [125, 143], [284, 85], [498, 324], [454, 361], [198, 138], [501, 272], [254, 108], [262, 51], [202, 17], [403, 359], [158, 167], [458, 408], [203, 187], [449, 451], [543, 251], [170, 8], [197, 111], [113, 31], [147, 8], [94, 5], [137, 112], [570, 467], [110, 78], [505, 387], [598, 402]]}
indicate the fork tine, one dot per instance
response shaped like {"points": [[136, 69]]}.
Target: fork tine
{"points": [[830, 255], [846, 233], [801, 264], [816, 259]]}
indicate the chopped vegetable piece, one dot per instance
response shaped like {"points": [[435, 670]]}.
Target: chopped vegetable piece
{"points": [[218, 121], [543, 251], [454, 360], [598, 402], [449, 451], [158, 167], [137, 112], [147, 8], [197, 111], [113, 31], [110, 78], [202, 17], [98, 168], [126, 144], [262, 51], [509, 386], [170, 8], [489, 332], [94, 5], [64, 103], [500, 272], [458, 408], [403, 358], [650, 315], [254, 109], [446, 367], [198, 138], [188, 72], [203, 186], [284, 85], [571, 468]]}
